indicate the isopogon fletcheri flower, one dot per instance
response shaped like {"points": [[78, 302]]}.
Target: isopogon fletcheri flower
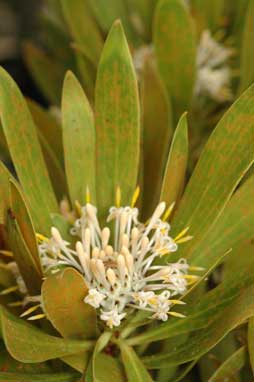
{"points": [[119, 264], [213, 71]]}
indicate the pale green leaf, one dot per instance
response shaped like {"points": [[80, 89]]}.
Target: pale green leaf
{"points": [[26, 153], [117, 122], [78, 140], [157, 131], [29, 344], [226, 157], [247, 50], [83, 28], [134, 368], [175, 49], [175, 171], [230, 367]]}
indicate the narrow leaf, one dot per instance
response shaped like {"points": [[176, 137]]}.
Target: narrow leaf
{"points": [[5, 177], [67, 311], [28, 267], [47, 72], [226, 157], [29, 344], [247, 50], [78, 140], [134, 368], [25, 224], [230, 367], [172, 20], [83, 28], [174, 176], [157, 129], [117, 121], [26, 153]]}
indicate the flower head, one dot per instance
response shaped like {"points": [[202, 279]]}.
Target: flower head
{"points": [[119, 265], [213, 71]]}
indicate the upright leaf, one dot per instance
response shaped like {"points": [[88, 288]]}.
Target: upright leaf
{"points": [[28, 266], [157, 130], [78, 140], [67, 311], [117, 121], [24, 222], [247, 49], [29, 344], [5, 177], [174, 176], [134, 368], [175, 48], [226, 157], [83, 28], [47, 72], [26, 153]]}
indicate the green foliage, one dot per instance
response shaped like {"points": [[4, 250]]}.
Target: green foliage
{"points": [[112, 138]]}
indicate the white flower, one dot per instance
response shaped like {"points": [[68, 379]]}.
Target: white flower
{"points": [[119, 267], [94, 298], [112, 317], [213, 71]]}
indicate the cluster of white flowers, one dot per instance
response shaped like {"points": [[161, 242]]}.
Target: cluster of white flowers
{"points": [[213, 71], [119, 267]]}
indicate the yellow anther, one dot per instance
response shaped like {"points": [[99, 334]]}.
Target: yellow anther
{"points": [[30, 310], [41, 237], [175, 314], [118, 197], [88, 195], [177, 302], [196, 269], [184, 239], [78, 208], [6, 253], [15, 304], [9, 290], [168, 211], [135, 197], [182, 233], [37, 317], [164, 252]]}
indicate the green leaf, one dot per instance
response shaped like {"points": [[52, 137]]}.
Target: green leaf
{"points": [[79, 140], [247, 50], [5, 176], [83, 28], [24, 377], [103, 367], [117, 121], [25, 260], [66, 310], [50, 137], [233, 226], [173, 20], [134, 368], [237, 306], [174, 176], [226, 157], [29, 344], [107, 12], [26, 153], [142, 17], [251, 341], [25, 224], [47, 72], [157, 130], [229, 368]]}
